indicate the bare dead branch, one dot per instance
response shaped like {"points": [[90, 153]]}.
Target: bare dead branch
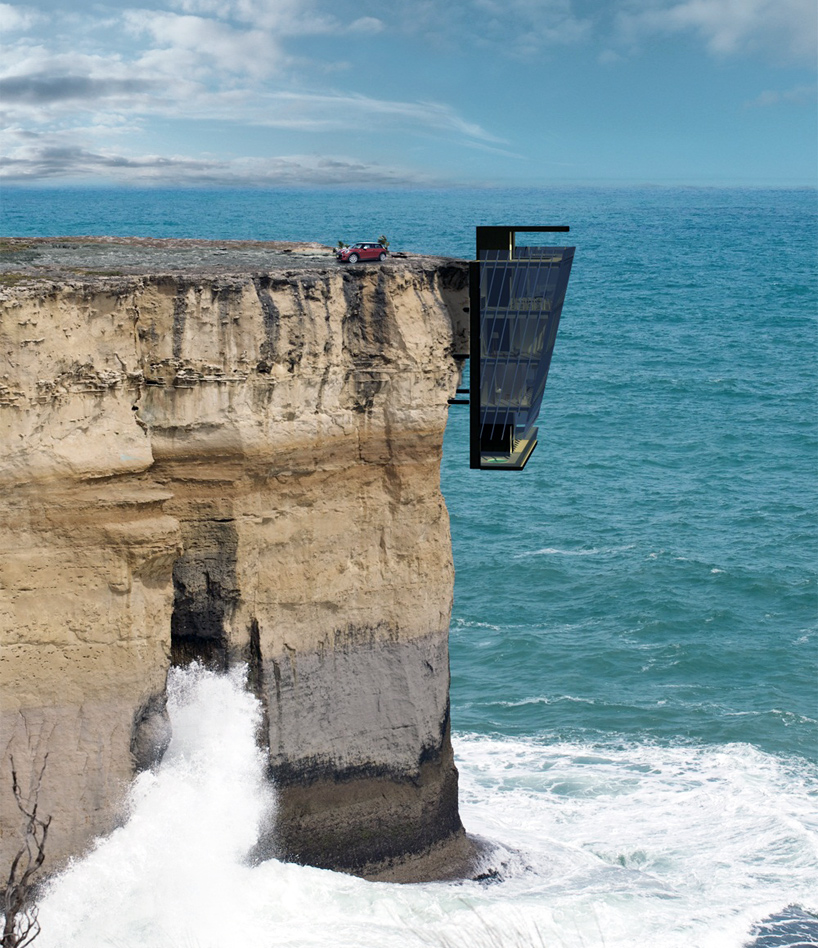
{"points": [[20, 922]]}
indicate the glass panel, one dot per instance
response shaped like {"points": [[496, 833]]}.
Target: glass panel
{"points": [[520, 305]]}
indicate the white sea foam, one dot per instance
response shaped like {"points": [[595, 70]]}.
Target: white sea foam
{"points": [[544, 699], [616, 846], [472, 624], [555, 551], [666, 845]]}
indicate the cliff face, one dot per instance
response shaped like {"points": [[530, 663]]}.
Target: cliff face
{"points": [[233, 467]]}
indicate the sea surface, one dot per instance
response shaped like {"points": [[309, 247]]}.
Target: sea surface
{"points": [[634, 650]]}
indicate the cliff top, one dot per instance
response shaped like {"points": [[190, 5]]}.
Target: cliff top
{"points": [[88, 259]]}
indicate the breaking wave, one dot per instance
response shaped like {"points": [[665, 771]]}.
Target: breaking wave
{"points": [[597, 845]]}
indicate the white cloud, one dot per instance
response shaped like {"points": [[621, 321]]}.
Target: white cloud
{"points": [[197, 68], [797, 95], [785, 30], [284, 18], [367, 24], [16, 19], [212, 45], [95, 85]]}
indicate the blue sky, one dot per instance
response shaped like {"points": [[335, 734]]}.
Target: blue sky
{"points": [[433, 92]]}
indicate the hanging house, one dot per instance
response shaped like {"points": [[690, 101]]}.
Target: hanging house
{"points": [[516, 297]]}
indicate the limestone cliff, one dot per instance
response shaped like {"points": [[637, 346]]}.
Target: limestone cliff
{"points": [[237, 464]]}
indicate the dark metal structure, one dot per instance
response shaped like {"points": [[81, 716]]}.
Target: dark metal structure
{"points": [[516, 297]]}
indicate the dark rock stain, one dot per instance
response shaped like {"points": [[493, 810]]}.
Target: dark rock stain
{"points": [[271, 319], [179, 320], [255, 680]]}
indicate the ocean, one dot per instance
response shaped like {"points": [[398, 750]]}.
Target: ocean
{"points": [[634, 651]]}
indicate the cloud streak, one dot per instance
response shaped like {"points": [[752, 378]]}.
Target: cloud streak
{"points": [[41, 161], [43, 89]]}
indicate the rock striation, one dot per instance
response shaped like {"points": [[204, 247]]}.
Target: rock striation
{"points": [[208, 459]]}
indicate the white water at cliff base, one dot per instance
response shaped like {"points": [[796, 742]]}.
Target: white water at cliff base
{"points": [[628, 845]]}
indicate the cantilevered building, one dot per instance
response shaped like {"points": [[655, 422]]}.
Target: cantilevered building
{"points": [[516, 300]]}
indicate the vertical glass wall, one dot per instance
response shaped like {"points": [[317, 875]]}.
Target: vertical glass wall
{"points": [[519, 292]]}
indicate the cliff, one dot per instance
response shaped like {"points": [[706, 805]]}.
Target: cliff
{"points": [[230, 452]]}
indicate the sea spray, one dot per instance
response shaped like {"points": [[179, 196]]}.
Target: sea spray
{"points": [[173, 874], [176, 875], [597, 846]]}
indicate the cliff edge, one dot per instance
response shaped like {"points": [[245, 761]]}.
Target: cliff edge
{"points": [[231, 452]]}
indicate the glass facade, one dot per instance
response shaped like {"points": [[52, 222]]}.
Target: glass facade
{"points": [[518, 293]]}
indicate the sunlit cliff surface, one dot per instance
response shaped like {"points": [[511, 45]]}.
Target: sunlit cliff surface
{"points": [[230, 453]]}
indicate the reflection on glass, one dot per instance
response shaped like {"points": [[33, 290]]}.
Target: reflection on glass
{"points": [[520, 292]]}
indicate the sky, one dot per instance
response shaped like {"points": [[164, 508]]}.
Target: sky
{"points": [[520, 93]]}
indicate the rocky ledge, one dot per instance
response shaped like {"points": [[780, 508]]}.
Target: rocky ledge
{"points": [[230, 452]]}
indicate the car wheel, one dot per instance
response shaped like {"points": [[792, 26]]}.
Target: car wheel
{"points": [[382, 256], [353, 258]]}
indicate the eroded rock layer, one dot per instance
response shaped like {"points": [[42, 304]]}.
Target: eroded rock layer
{"points": [[233, 467]]}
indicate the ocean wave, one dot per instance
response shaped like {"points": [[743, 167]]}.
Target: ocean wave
{"points": [[629, 819], [610, 844], [556, 551], [542, 699], [472, 624], [786, 717]]}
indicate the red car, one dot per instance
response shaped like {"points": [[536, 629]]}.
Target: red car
{"points": [[363, 250]]}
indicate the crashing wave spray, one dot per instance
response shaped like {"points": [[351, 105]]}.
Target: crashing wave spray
{"points": [[177, 861], [177, 874], [633, 844]]}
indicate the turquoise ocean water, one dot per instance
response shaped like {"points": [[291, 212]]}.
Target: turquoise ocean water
{"points": [[634, 650]]}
